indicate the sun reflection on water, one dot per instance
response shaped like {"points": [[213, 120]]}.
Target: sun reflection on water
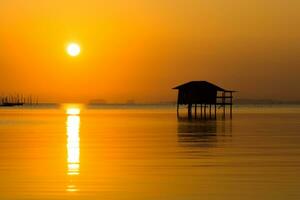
{"points": [[73, 144]]}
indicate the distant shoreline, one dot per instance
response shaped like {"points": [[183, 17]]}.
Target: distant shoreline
{"points": [[264, 101], [236, 102]]}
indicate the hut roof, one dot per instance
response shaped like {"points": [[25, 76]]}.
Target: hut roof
{"points": [[201, 85]]}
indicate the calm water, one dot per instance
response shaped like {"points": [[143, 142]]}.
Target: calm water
{"points": [[146, 153]]}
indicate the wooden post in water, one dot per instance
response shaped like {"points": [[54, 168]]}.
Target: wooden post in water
{"points": [[195, 111], [223, 102], [178, 98], [177, 110], [204, 111], [209, 111], [201, 111], [215, 110], [190, 111], [231, 105]]}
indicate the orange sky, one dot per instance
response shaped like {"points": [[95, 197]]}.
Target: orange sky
{"points": [[141, 49]]}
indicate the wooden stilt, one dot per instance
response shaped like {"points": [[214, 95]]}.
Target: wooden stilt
{"points": [[223, 101], [204, 111], [231, 105], [177, 110], [215, 111], [209, 111], [190, 111], [230, 111], [195, 111], [201, 111]]}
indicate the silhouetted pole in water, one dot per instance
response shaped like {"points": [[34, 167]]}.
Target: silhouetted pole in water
{"points": [[201, 111], [231, 105], [223, 100], [177, 110], [204, 111], [190, 111], [215, 111]]}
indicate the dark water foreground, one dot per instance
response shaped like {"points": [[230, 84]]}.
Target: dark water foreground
{"points": [[146, 153]]}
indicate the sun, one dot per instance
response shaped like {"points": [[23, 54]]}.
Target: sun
{"points": [[73, 49]]}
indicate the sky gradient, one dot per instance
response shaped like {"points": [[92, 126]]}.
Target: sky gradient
{"points": [[141, 49]]}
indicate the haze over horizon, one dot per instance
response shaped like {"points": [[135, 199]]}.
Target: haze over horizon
{"points": [[141, 49]]}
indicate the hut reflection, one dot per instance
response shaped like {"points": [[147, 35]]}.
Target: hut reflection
{"points": [[203, 133]]}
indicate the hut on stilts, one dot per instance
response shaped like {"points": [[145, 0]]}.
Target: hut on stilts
{"points": [[206, 96]]}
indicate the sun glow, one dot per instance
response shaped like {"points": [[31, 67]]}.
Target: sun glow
{"points": [[73, 49], [73, 111]]}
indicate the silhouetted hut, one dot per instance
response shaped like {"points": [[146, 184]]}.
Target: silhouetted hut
{"points": [[204, 94]]}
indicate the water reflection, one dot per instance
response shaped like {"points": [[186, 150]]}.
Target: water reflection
{"points": [[203, 133], [73, 144]]}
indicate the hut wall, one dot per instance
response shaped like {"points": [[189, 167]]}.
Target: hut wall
{"points": [[197, 96]]}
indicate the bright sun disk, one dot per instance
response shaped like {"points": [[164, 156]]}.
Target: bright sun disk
{"points": [[73, 49]]}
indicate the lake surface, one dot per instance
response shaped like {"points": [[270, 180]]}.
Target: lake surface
{"points": [[144, 152]]}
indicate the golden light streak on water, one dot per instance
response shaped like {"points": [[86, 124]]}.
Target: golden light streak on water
{"points": [[73, 145]]}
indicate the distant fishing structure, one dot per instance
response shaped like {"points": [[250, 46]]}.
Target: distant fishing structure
{"points": [[205, 95], [18, 100]]}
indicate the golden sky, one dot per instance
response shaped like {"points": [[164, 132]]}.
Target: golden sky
{"points": [[141, 49]]}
